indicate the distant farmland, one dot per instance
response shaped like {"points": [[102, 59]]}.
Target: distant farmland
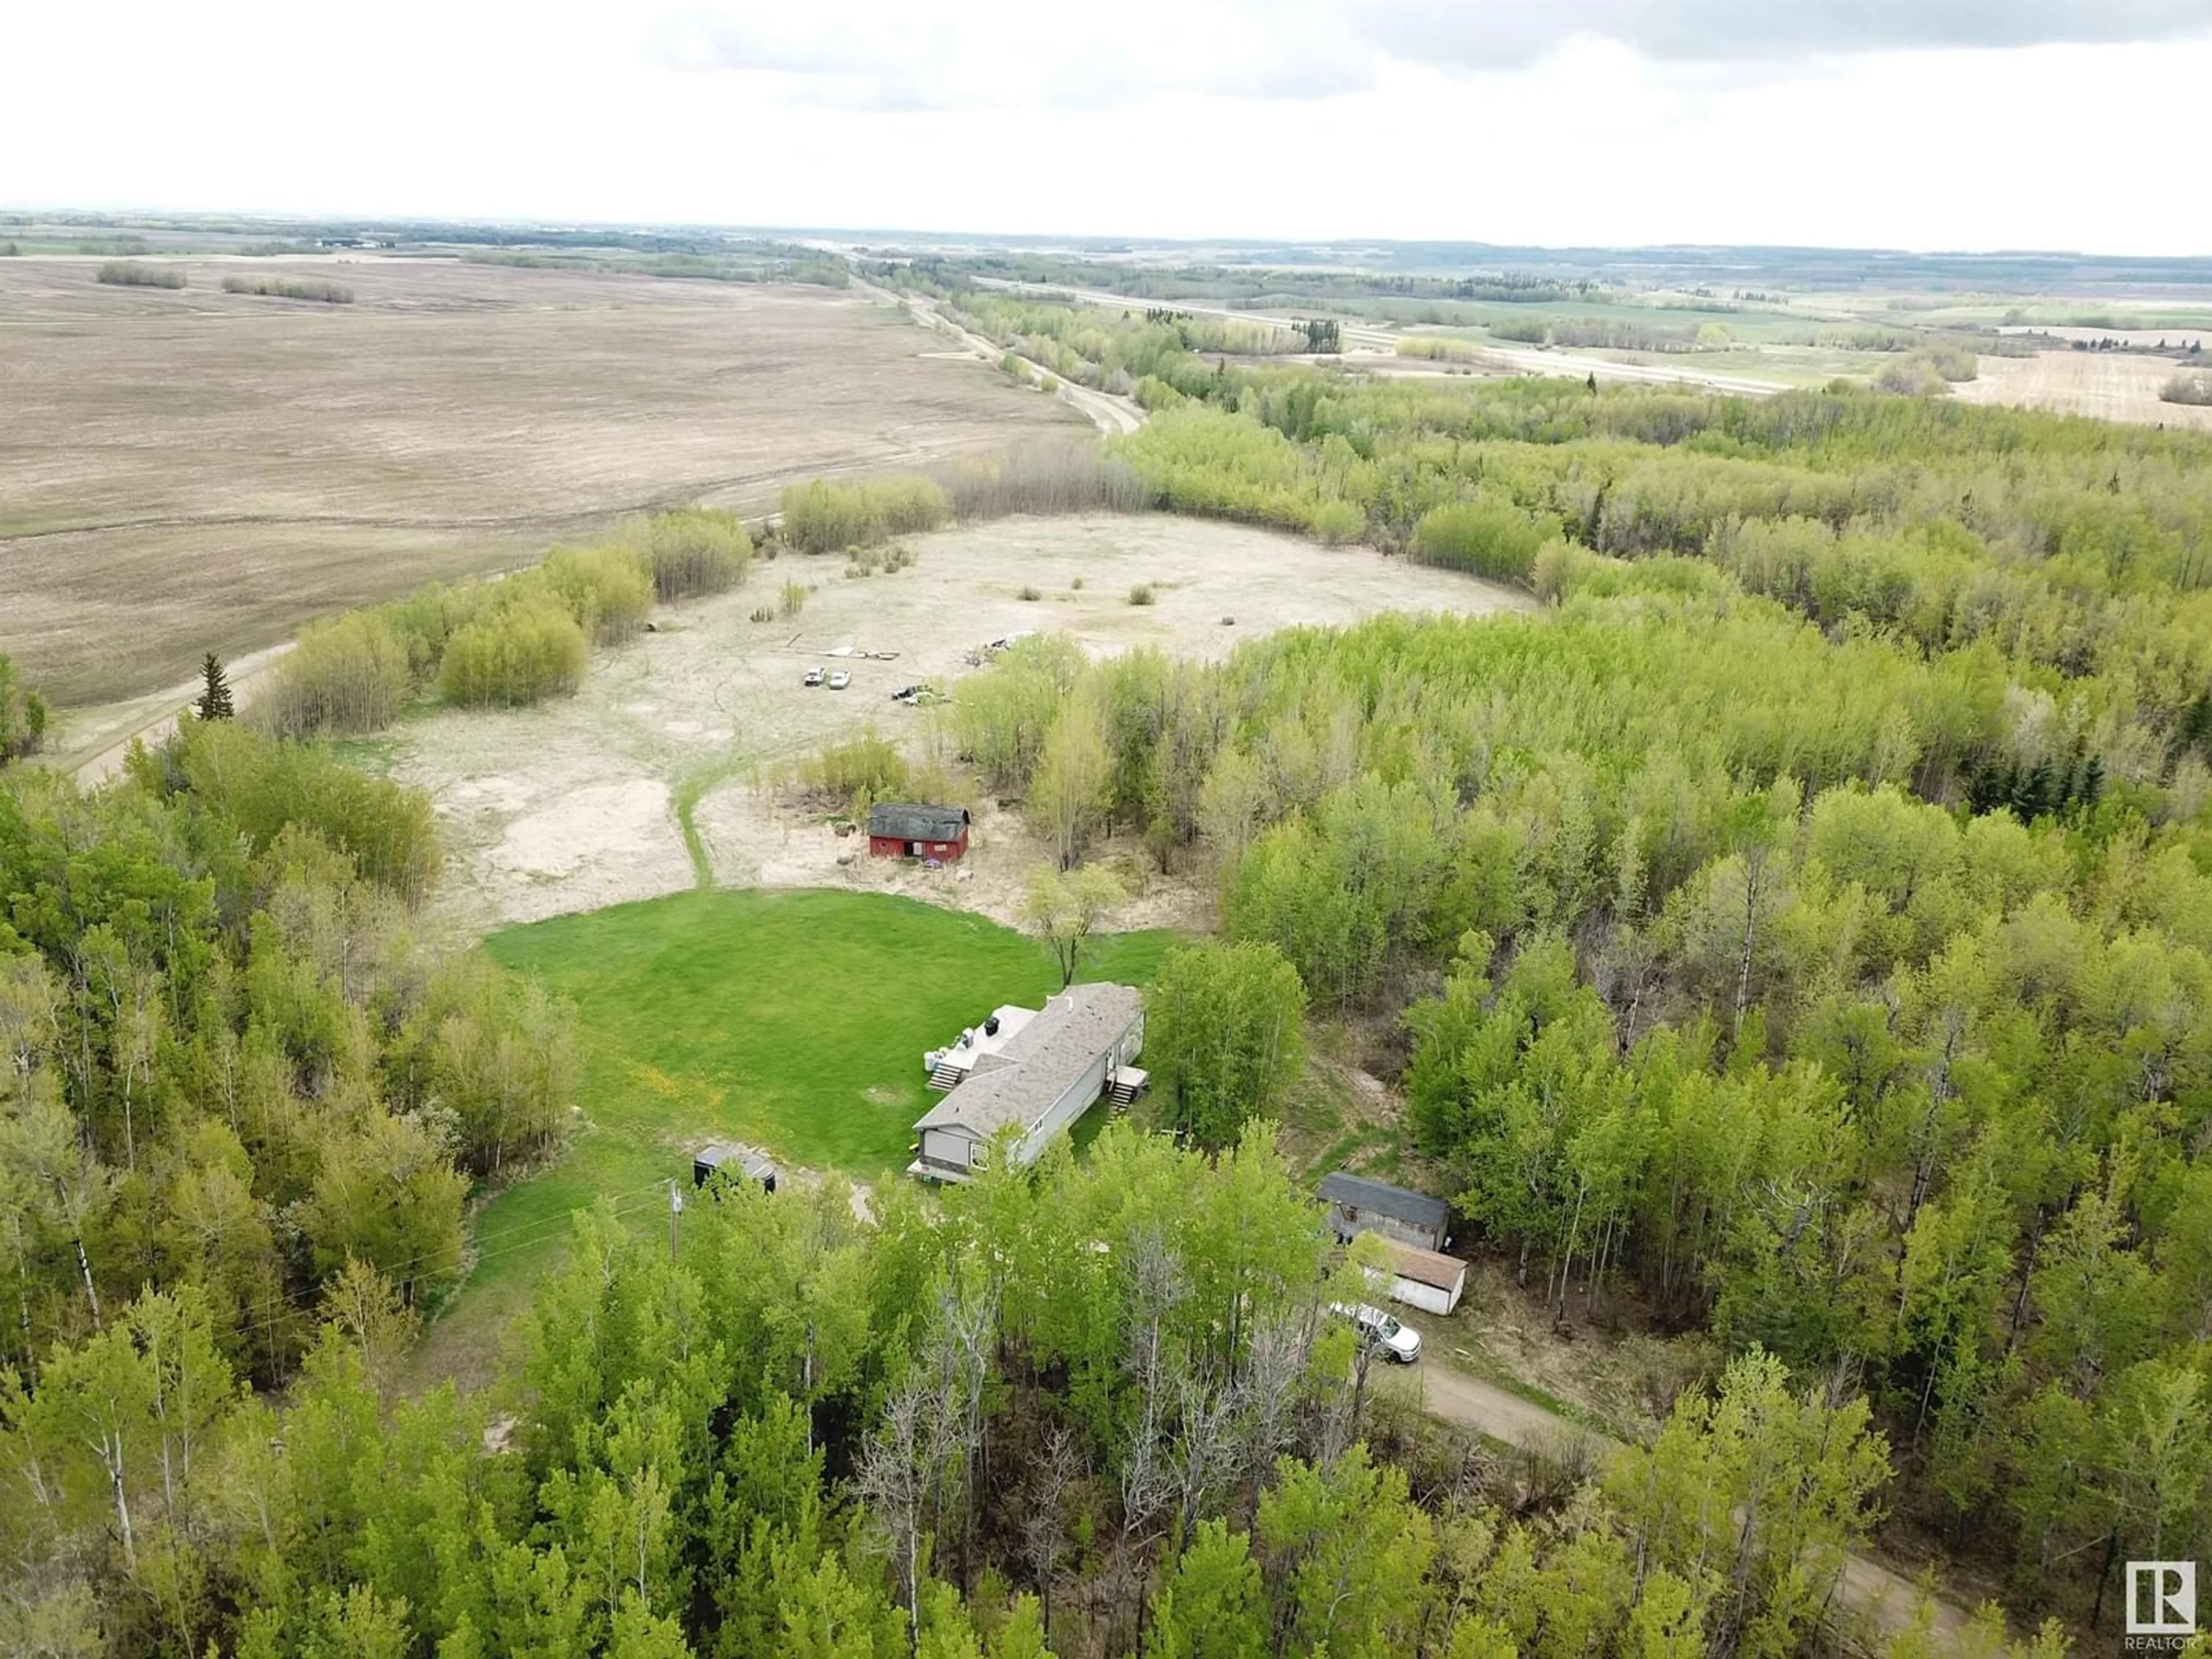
{"points": [[2112, 385], [192, 470]]}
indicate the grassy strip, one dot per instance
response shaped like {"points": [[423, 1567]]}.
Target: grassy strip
{"points": [[692, 787]]}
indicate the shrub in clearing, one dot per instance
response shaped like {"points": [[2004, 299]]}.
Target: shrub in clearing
{"points": [[1142, 594], [423, 622], [123, 273], [608, 590], [349, 674], [1438, 349], [2193, 389], [822, 517], [826, 517], [793, 598], [1029, 594], [869, 766], [1486, 538], [1043, 478], [1339, 522], [518, 654], [1954, 361], [700, 551], [1910, 377], [1076, 587]]}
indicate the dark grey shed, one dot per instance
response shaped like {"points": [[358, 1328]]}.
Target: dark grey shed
{"points": [[898, 821], [1358, 1204], [724, 1160]]}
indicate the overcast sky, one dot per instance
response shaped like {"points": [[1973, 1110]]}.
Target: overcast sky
{"points": [[1923, 123]]}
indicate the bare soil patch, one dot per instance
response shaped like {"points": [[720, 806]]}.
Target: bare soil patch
{"points": [[572, 806], [189, 470], [2112, 385]]}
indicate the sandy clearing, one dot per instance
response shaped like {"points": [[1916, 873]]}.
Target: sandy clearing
{"points": [[569, 806], [2112, 385]]}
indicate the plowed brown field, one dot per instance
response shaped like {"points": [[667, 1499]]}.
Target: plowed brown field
{"points": [[187, 471]]}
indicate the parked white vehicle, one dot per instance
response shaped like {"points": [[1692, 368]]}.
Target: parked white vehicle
{"points": [[1380, 1331], [839, 679]]}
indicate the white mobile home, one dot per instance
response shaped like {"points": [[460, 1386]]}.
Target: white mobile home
{"points": [[1038, 1075]]}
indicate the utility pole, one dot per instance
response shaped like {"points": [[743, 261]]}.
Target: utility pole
{"points": [[675, 1209]]}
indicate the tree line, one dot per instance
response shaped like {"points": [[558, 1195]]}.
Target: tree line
{"points": [[319, 288], [509, 643], [23, 715], [1095, 1409], [234, 1063], [1803, 928]]}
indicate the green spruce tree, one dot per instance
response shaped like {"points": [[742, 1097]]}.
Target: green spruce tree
{"points": [[215, 697]]}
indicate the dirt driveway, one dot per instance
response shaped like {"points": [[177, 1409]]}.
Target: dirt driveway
{"points": [[1884, 1597]]}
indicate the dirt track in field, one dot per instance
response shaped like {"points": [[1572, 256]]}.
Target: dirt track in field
{"points": [[2112, 385], [185, 471]]}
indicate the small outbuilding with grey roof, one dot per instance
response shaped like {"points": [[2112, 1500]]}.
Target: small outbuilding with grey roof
{"points": [[1038, 1082], [1357, 1205], [722, 1158], [898, 830]]}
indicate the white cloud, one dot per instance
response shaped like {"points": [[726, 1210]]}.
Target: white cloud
{"points": [[1156, 119]]}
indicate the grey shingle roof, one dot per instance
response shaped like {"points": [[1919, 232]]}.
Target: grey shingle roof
{"points": [[907, 821], [721, 1152], [1018, 1083], [1358, 1193]]}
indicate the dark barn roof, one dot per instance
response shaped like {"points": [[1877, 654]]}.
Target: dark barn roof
{"points": [[1358, 1193], [901, 821]]}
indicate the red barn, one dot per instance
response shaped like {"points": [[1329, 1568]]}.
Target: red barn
{"points": [[897, 831]]}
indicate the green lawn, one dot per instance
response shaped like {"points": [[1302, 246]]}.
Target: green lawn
{"points": [[795, 1021]]}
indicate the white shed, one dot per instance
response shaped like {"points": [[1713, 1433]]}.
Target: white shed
{"points": [[1422, 1278]]}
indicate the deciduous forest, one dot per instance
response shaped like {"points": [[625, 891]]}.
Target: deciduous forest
{"points": [[1801, 929]]}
